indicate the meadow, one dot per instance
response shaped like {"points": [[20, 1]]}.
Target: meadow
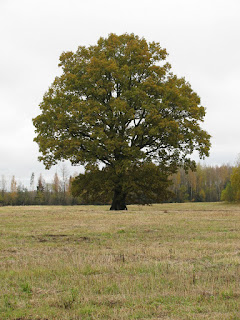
{"points": [[165, 261]]}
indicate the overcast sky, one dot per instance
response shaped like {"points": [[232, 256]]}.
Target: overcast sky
{"points": [[201, 37]]}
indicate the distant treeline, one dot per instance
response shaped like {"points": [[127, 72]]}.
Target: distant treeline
{"points": [[232, 191], [55, 193], [205, 184]]}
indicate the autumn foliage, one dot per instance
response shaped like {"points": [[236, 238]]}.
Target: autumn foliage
{"points": [[118, 110]]}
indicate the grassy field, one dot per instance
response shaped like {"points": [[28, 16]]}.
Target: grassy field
{"points": [[170, 261]]}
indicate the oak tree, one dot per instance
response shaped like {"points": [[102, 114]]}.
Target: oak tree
{"points": [[118, 107]]}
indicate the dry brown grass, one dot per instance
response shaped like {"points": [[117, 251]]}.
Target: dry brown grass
{"points": [[171, 261]]}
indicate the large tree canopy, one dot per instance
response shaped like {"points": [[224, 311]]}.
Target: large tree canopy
{"points": [[117, 106]]}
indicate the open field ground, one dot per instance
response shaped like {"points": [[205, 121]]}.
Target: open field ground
{"points": [[170, 261]]}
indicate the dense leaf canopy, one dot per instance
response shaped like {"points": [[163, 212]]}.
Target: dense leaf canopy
{"points": [[117, 104]]}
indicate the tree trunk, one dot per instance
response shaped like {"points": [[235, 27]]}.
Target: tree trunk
{"points": [[119, 200]]}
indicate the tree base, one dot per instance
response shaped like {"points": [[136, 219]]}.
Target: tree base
{"points": [[118, 207], [119, 201]]}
